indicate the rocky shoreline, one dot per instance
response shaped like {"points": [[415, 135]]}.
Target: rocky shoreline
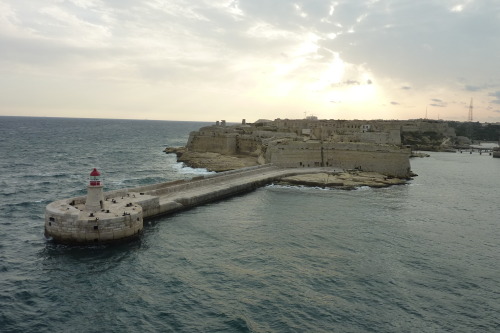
{"points": [[347, 180], [212, 161]]}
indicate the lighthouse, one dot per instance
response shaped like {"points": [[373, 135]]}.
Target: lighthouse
{"points": [[95, 194], [91, 219]]}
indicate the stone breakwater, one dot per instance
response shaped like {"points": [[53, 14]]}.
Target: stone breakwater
{"points": [[123, 211]]}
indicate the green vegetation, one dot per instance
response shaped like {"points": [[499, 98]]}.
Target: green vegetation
{"points": [[476, 131], [422, 139]]}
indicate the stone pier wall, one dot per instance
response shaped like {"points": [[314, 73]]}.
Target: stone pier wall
{"points": [[165, 188]]}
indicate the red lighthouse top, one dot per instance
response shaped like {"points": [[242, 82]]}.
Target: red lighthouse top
{"points": [[94, 178]]}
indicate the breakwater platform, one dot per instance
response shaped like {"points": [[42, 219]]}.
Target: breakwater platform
{"points": [[104, 217]]}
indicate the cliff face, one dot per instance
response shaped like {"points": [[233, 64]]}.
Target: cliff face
{"points": [[299, 144]]}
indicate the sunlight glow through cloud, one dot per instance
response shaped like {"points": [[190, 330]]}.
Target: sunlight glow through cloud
{"points": [[227, 58], [457, 8]]}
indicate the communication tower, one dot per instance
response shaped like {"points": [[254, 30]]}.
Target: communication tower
{"points": [[470, 111]]}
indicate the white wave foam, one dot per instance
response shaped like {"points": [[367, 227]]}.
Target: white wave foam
{"points": [[181, 168]]}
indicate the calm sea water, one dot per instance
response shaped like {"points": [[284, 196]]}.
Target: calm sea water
{"points": [[422, 257]]}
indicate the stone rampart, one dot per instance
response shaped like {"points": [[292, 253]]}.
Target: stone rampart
{"points": [[248, 145], [217, 142], [295, 154], [387, 163], [384, 159]]}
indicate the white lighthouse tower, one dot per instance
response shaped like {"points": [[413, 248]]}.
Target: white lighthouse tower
{"points": [[95, 194]]}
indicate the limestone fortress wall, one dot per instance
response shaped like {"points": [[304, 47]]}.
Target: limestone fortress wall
{"points": [[384, 159], [364, 145]]}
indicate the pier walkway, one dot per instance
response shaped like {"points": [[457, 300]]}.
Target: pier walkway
{"points": [[167, 198]]}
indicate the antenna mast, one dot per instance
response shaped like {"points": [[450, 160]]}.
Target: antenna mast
{"points": [[470, 111]]}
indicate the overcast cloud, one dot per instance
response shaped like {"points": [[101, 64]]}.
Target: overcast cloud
{"points": [[223, 59]]}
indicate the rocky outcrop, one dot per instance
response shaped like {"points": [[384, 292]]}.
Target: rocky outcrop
{"points": [[344, 180], [212, 161]]}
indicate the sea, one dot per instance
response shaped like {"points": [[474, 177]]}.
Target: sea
{"points": [[420, 257]]}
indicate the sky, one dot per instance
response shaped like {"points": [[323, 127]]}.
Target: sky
{"points": [[208, 60]]}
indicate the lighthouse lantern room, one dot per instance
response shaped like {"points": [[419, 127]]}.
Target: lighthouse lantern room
{"points": [[94, 178], [95, 194]]}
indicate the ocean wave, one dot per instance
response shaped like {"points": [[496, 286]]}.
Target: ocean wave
{"points": [[182, 168], [133, 182], [362, 188], [282, 258], [48, 175], [300, 187], [10, 193], [22, 204]]}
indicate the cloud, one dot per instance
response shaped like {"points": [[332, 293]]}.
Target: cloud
{"points": [[473, 88], [496, 95], [438, 103], [302, 53], [351, 83], [395, 103], [405, 41]]}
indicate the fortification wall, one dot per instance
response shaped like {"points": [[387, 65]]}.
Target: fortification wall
{"points": [[394, 164], [391, 137], [294, 154], [274, 134], [384, 159], [215, 142], [248, 144]]}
